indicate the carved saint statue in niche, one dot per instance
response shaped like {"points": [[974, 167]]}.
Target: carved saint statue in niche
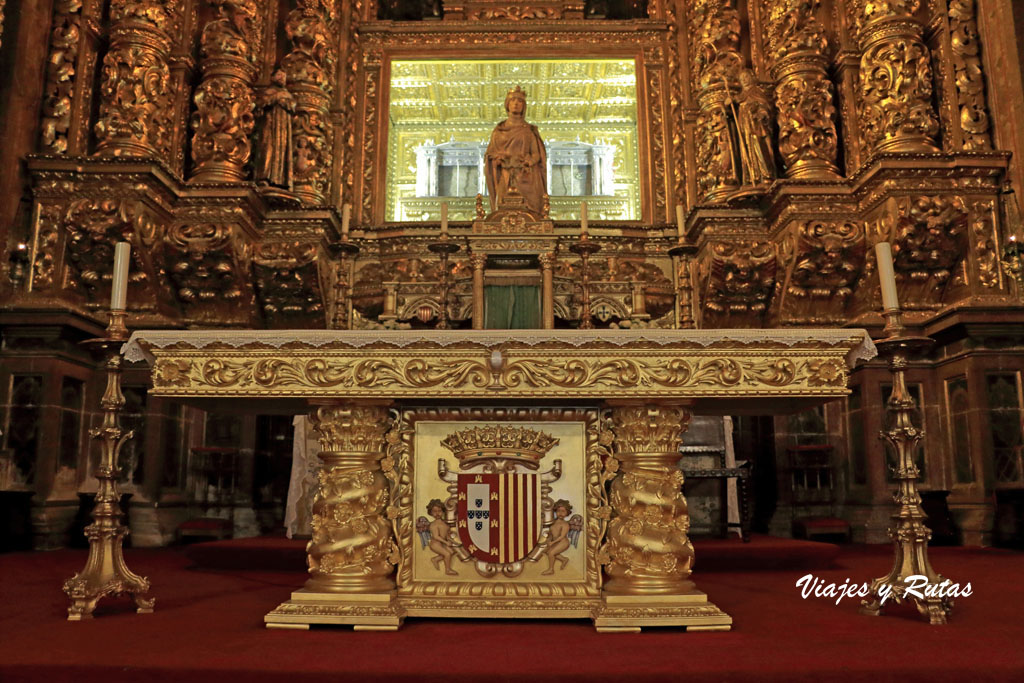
{"points": [[516, 159], [754, 124], [273, 162]]}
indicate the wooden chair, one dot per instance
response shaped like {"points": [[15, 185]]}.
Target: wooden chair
{"points": [[813, 487]]}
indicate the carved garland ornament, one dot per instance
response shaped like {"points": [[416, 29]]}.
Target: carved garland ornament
{"points": [[706, 374]]}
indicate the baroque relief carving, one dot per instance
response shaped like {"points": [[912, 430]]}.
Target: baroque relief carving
{"points": [[930, 239], [715, 67], [287, 284], [985, 242], [91, 229], [72, 53], [739, 283], [825, 257], [648, 551], [46, 248], [352, 549], [208, 265]]}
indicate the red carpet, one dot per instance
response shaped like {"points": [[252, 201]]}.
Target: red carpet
{"points": [[208, 626], [274, 553]]}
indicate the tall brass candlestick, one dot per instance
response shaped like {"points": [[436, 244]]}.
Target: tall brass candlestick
{"points": [[908, 532], [444, 249], [105, 571], [584, 248], [346, 252]]}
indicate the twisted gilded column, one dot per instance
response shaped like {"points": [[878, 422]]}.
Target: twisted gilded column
{"points": [[716, 64], [895, 85], [352, 549], [136, 99], [647, 551], [223, 121], [806, 115], [310, 68]]}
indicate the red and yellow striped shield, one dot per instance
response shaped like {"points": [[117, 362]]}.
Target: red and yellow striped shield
{"points": [[498, 515]]}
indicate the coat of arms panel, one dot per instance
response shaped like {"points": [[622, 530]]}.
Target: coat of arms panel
{"points": [[500, 503]]}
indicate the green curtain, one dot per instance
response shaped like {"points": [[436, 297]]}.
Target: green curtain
{"points": [[511, 307]]}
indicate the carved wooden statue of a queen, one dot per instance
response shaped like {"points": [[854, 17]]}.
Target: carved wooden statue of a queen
{"points": [[516, 159]]}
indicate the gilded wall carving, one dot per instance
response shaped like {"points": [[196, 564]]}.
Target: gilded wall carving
{"points": [[780, 261], [715, 67], [287, 284], [738, 283], [92, 228], [930, 239], [970, 79], [985, 243], [68, 88], [208, 265]]}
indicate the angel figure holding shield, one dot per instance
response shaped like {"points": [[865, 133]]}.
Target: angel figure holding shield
{"points": [[558, 537], [440, 541]]}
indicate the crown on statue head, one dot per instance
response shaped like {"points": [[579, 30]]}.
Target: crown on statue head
{"points": [[522, 444], [516, 92]]}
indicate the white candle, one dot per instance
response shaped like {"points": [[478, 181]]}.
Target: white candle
{"points": [[119, 282], [444, 219], [583, 218], [346, 217], [887, 276], [679, 221]]}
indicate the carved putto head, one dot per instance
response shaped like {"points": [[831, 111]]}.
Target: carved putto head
{"points": [[521, 445]]}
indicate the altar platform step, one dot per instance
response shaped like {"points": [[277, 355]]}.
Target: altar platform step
{"points": [[208, 627], [277, 553]]}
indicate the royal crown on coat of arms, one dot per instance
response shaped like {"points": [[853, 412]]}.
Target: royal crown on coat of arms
{"points": [[520, 444]]}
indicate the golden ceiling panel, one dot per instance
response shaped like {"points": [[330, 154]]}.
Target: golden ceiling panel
{"points": [[579, 91]]}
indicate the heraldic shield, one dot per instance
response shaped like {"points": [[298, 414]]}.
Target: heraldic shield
{"points": [[499, 515]]}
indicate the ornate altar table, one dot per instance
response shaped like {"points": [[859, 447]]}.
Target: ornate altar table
{"points": [[501, 474]]}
